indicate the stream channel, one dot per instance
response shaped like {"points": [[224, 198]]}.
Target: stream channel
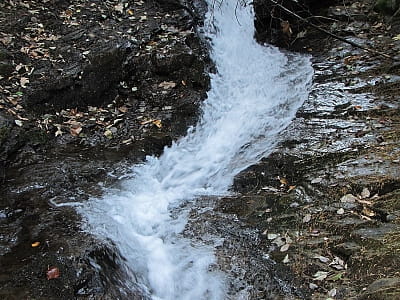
{"points": [[254, 95]]}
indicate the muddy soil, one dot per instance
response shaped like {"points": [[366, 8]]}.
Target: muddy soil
{"points": [[89, 88]]}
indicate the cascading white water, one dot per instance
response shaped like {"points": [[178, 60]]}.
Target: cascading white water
{"points": [[253, 97]]}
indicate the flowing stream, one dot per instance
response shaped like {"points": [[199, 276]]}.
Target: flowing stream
{"points": [[254, 96]]}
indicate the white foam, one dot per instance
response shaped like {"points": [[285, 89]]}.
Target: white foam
{"points": [[253, 97]]}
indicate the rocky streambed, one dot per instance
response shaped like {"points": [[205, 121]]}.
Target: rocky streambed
{"points": [[82, 99]]}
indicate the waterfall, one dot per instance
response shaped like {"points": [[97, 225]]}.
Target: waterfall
{"points": [[254, 96]]}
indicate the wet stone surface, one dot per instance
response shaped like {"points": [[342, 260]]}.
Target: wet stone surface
{"points": [[290, 227]]}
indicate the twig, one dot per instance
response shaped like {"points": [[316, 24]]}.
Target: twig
{"points": [[334, 35]]}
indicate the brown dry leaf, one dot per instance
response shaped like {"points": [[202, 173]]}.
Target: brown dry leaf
{"points": [[75, 131], [283, 180], [291, 188], [368, 212], [123, 109], [286, 28], [157, 123], [364, 202], [35, 244], [167, 85], [53, 273]]}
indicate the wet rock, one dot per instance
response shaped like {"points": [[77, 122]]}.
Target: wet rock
{"points": [[377, 233], [93, 84], [347, 248], [387, 7], [383, 289]]}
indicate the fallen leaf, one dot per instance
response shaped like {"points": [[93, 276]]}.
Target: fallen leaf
{"points": [[316, 180], [286, 28], [283, 180], [123, 109], [340, 211], [75, 131], [348, 198], [332, 293], [18, 122], [307, 218], [313, 286], [59, 131], [286, 259], [368, 212], [23, 81], [108, 134], [157, 123], [320, 275], [322, 259], [167, 85], [336, 276], [53, 273], [272, 236], [35, 244], [285, 248], [365, 193]]}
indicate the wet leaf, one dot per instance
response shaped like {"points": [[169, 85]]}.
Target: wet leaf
{"points": [[123, 109], [75, 131], [35, 244], [53, 273]]}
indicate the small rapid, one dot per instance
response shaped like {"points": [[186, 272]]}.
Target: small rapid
{"points": [[254, 96]]}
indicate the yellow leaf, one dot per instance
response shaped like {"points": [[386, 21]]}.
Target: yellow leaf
{"points": [[397, 37], [35, 244], [157, 123]]}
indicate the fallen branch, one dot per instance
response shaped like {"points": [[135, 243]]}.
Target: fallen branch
{"points": [[334, 35]]}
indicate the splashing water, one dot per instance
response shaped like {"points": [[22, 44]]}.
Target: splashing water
{"points": [[253, 97]]}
